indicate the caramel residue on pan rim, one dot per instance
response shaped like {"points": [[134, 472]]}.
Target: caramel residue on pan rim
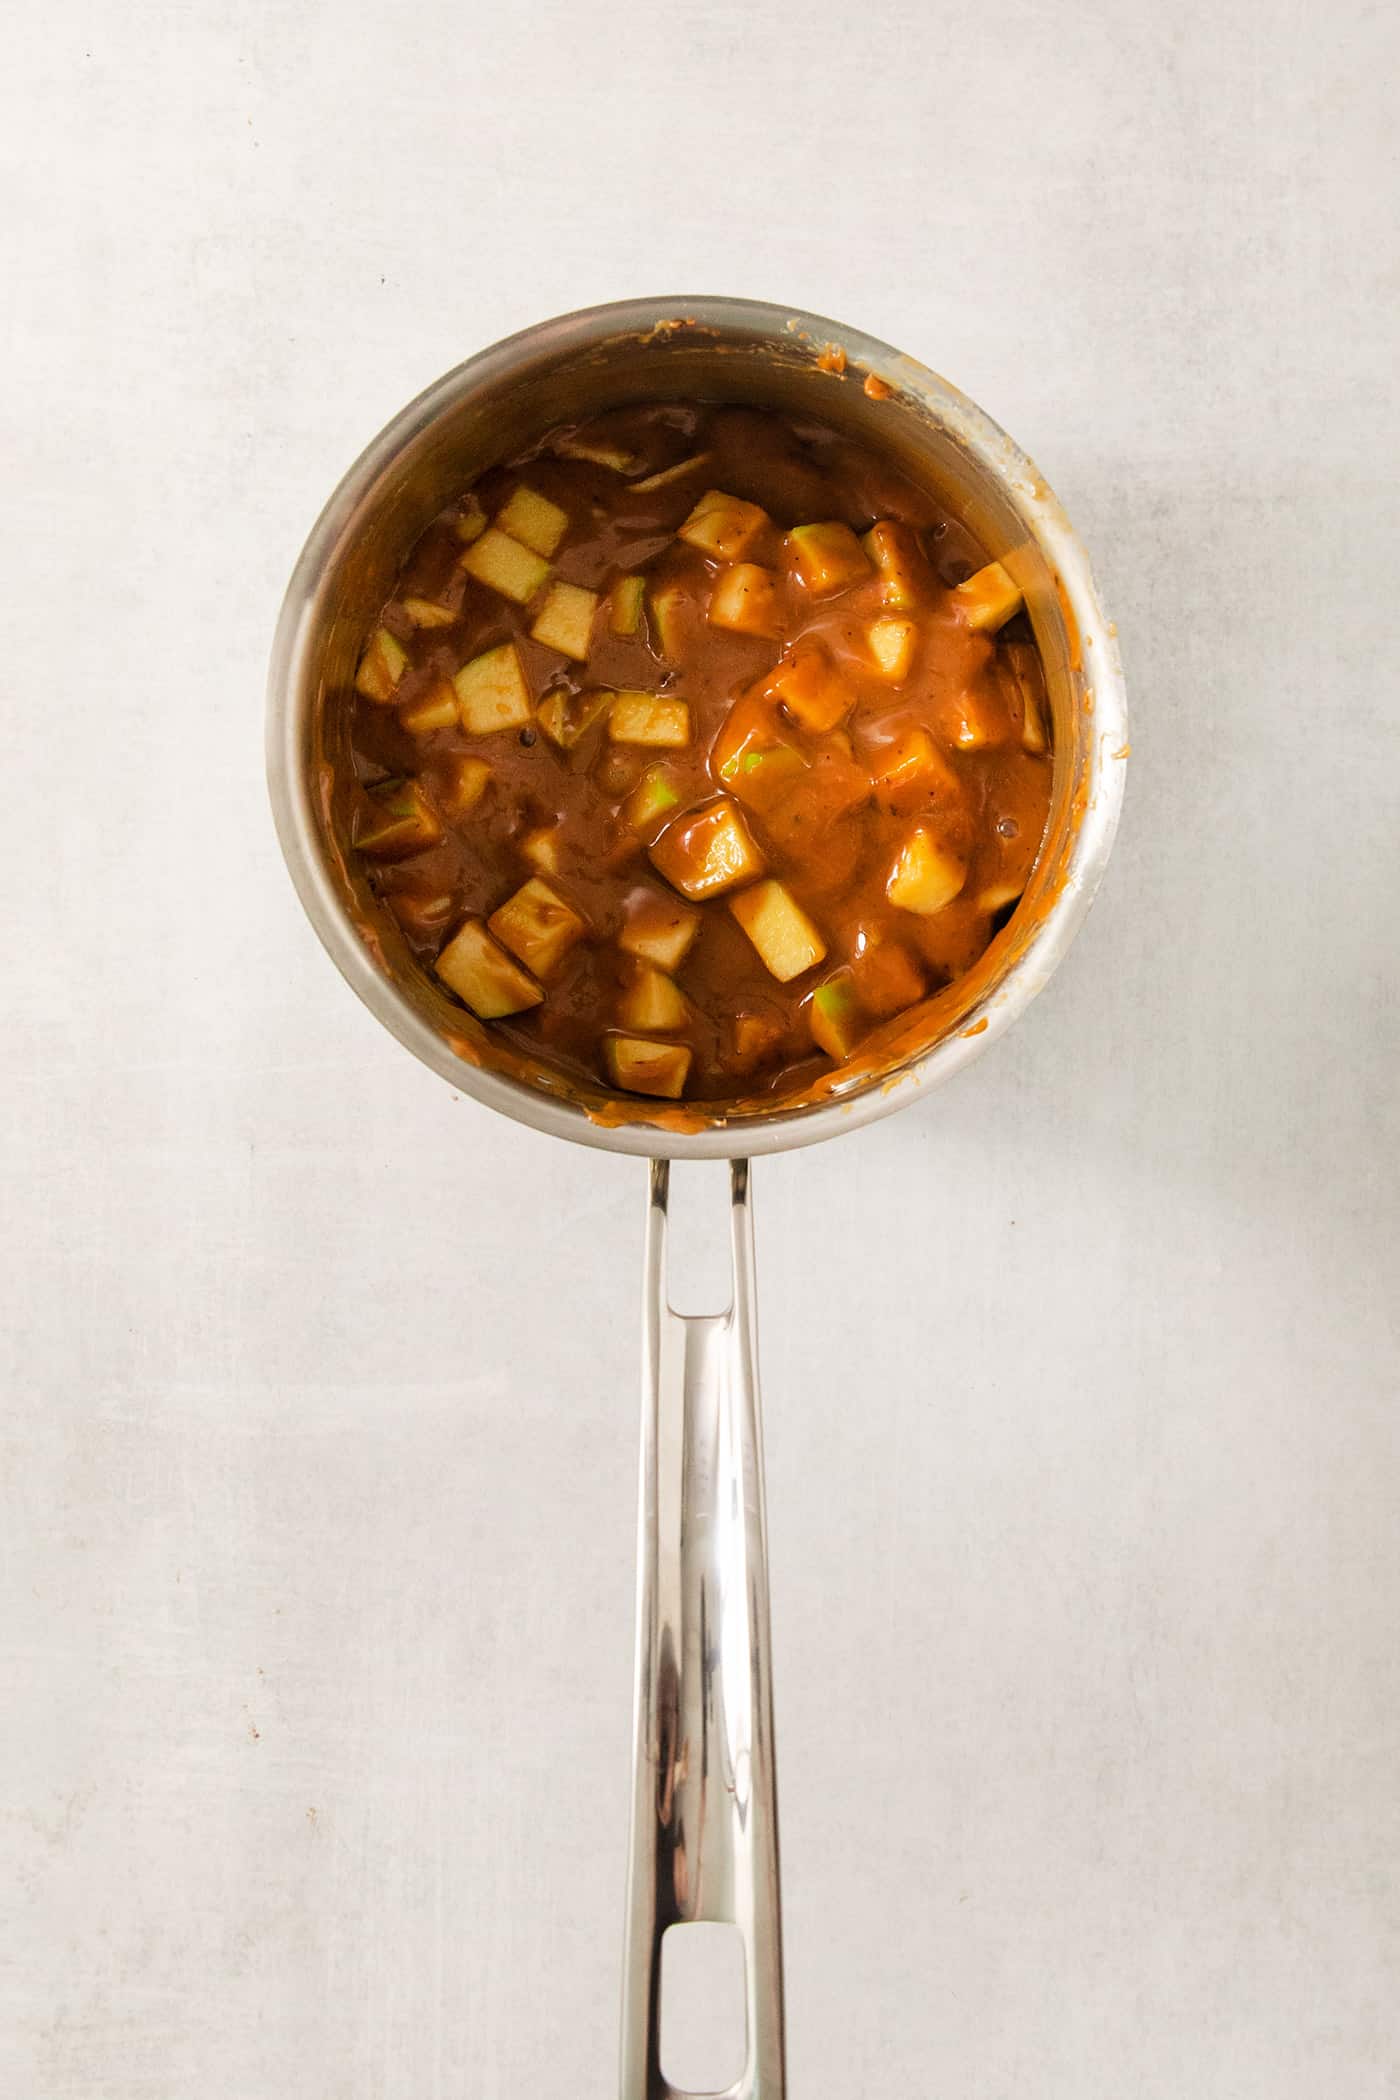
{"points": [[878, 389], [1076, 653], [832, 358]]}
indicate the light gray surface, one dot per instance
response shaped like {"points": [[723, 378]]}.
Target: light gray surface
{"points": [[1081, 1377]]}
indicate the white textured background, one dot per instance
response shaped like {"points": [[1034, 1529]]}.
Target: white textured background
{"points": [[1082, 1376]]}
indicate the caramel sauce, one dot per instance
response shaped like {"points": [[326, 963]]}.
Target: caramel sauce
{"points": [[831, 838]]}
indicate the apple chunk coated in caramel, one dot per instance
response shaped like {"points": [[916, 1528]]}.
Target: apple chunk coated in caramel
{"points": [[694, 746]]}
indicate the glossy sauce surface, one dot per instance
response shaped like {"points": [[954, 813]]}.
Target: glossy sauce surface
{"points": [[880, 705]]}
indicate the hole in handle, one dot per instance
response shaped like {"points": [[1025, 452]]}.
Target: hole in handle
{"points": [[704, 2029]]}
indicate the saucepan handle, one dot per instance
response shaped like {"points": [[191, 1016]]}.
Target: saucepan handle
{"points": [[704, 1838]]}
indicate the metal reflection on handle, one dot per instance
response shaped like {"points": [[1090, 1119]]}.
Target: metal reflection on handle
{"points": [[704, 1840]]}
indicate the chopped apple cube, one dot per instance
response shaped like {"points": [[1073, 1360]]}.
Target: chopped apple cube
{"points": [[709, 852], [647, 718], [926, 876], [1027, 672], [891, 645], [644, 1067], [652, 1002], [887, 978], [483, 975], [537, 926], [595, 453], [828, 557], [997, 895], [988, 599], [426, 612], [812, 689], [382, 666], [398, 822], [541, 848], [660, 931], [752, 1037], [435, 709], [533, 520], [745, 600], [565, 717], [835, 1018], [470, 521], [492, 693], [723, 527], [424, 912], [671, 607], [565, 620], [904, 573], [751, 756], [669, 475], [972, 718], [504, 565], [762, 776], [625, 604], [464, 786], [779, 928], [913, 760], [655, 797]]}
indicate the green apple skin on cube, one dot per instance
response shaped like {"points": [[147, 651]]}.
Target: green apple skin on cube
{"points": [[565, 620], [491, 692], [704, 854], [648, 718], [625, 603], [927, 874], [835, 1018], [639, 1065], [655, 798], [787, 941], [652, 1004], [381, 667], [759, 777], [506, 565], [988, 599], [537, 926], [483, 976], [659, 931], [828, 558], [533, 520], [400, 821], [436, 709]]}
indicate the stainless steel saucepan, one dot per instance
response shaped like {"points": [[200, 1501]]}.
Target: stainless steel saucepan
{"points": [[704, 1842]]}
